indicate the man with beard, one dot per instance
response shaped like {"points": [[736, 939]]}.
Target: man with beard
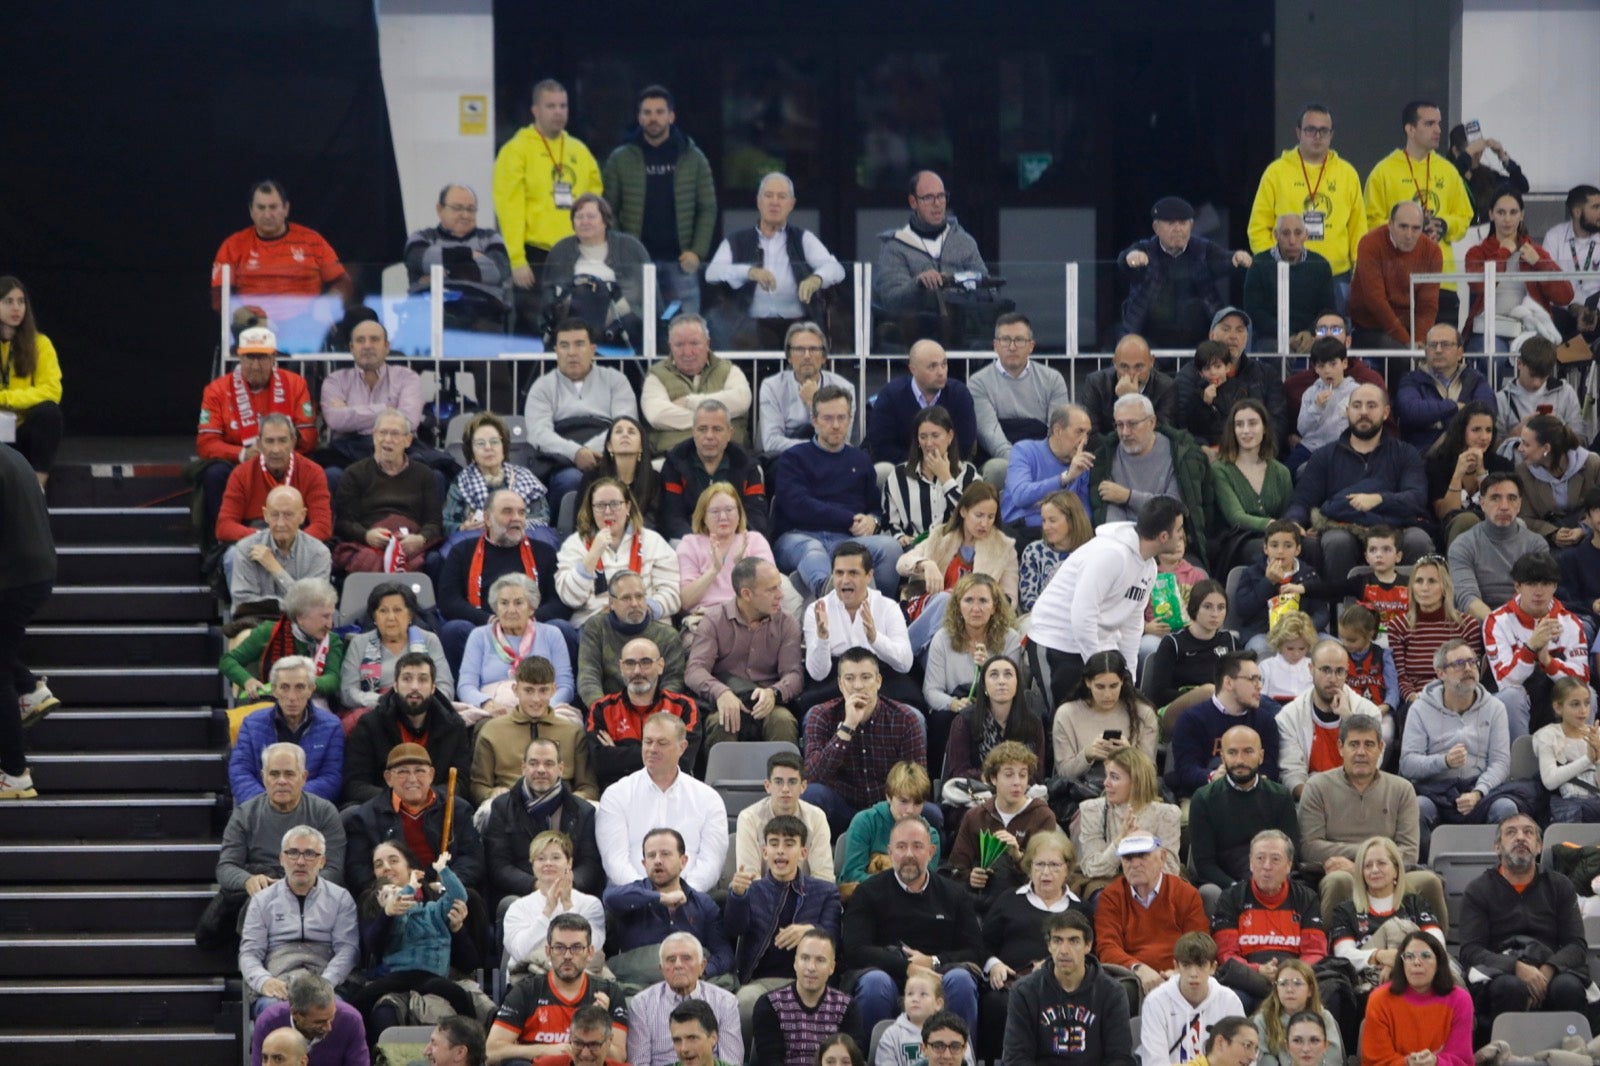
{"points": [[1365, 478], [412, 712], [616, 721], [1145, 460], [1522, 940], [603, 636], [541, 801], [1308, 725], [412, 811], [647, 910], [302, 922], [1176, 281], [387, 508], [537, 1017], [905, 920], [1575, 245], [1238, 803], [504, 548]]}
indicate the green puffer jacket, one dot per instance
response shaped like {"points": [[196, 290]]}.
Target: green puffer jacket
{"points": [[1194, 481], [694, 192]]}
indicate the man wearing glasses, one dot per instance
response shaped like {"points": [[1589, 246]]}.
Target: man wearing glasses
{"points": [[616, 721], [1146, 460], [1457, 747], [1012, 397], [546, 1016], [786, 396], [1312, 182], [1308, 724], [923, 256], [320, 914], [1070, 1012], [1329, 323], [1429, 397]]}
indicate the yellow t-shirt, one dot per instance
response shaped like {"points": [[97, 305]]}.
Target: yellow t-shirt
{"points": [[1284, 190]]}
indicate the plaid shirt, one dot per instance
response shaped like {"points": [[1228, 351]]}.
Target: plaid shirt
{"points": [[858, 767]]}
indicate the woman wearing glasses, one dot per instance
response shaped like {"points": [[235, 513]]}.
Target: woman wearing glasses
{"points": [[1430, 619], [707, 556], [487, 439], [611, 538], [1421, 1017], [1294, 990]]}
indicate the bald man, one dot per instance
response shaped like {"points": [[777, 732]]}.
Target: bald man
{"points": [[1132, 369], [1239, 802], [267, 562], [1380, 288], [285, 1047], [892, 411], [616, 720], [1311, 288]]}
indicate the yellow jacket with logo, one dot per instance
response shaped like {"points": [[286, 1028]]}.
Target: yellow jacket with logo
{"points": [[21, 394], [524, 189], [1395, 179], [1283, 191]]}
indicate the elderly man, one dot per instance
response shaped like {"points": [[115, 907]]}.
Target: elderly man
{"points": [[1522, 939], [306, 628], [1036, 469], [1380, 289], [603, 636], [691, 374], [273, 257], [267, 562], [1365, 478], [660, 186], [354, 397], [232, 407], [773, 269], [1132, 370], [542, 800], [301, 922], [905, 920], [412, 810], [1457, 748], [1342, 807], [292, 719], [1142, 913], [616, 721], [1311, 285], [1312, 183], [854, 614], [745, 660], [477, 266], [1309, 723], [790, 1023], [646, 910], [251, 858], [333, 1029], [1198, 755], [387, 506], [569, 413], [471, 571], [659, 796], [543, 1016], [1146, 460], [499, 755], [1261, 921], [1176, 281], [785, 397], [1226, 813], [279, 466], [829, 495], [923, 257], [1532, 641], [456, 1040], [1418, 175], [413, 708], [1482, 557], [710, 456], [1431, 395], [892, 411], [1012, 397], [1204, 405]]}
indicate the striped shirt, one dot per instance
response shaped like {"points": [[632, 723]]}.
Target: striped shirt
{"points": [[913, 504], [1413, 645]]}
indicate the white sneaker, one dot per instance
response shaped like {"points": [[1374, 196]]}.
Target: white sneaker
{"points": [[38, 703], [17, 787]]}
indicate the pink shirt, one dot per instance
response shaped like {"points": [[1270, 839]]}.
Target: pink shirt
{"points": [[694, 559], [397, 386]]}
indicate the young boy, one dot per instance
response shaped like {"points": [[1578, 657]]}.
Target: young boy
{"points": [[1010, 814], [866, 842], [1279, 581], [1372, 672], [1214, 363], [1322, 416], [902, 1041], [1177, 1015], [1534, 391], [786, 780], [1384, 590], [765, 915]]}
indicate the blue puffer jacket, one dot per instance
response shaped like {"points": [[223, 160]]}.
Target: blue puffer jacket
{"points": [[419, 939], [323, 742]]}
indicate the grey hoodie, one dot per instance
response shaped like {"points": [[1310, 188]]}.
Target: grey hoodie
{"points": [[1433, 729], [1515, 404]]}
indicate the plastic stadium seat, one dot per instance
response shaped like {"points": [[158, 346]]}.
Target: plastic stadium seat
{"points": [[1524, 763], [741, 765], [1458, 853], [1530, 1031], [1568, 833]]}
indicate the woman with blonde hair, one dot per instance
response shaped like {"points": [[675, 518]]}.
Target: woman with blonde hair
{"points": [[1287, 671], [1366, 929], [969, 541], [1294, 989], [1431, 619], [707, 556], [1131, 803], [528, 918]]}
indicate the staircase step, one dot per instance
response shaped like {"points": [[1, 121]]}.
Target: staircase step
{"points": [[57, 816], [130, 771], [122, 645], [118, 908], [111, 955], [187, 602], [160, 685], [190, 1045], [33, 862], [119, 563], [121, 728], [131, 525], [136, 1004]]}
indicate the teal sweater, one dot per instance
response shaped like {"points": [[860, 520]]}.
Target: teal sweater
{"points": [[868, 833], [419, 939]]}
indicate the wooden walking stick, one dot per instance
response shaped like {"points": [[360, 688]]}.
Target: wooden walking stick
{"points": [[449, 812]]}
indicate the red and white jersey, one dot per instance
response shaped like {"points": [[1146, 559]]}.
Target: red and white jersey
{"points": [[1505, 640]]}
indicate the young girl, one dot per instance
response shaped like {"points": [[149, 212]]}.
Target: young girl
{"points": [[1182, 670], [901, 1044], [1293, 990], [1569, 753], [1287, 673], [1184, 576], [1065, 528], [1371, 666]]}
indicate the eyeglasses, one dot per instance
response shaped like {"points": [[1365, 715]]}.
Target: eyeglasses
{"points": [[566, 949], [1461, 664], [487, 443], [586, 1045], [1049, 864], [608, 505], [637, 664], [933, 198], [1317, 131], [1442, 346], [1013, 342], [1291, 982], [946, 1047], [722, 512], [807, 349], [1330, 331], [1418, 956], [1249, 679], [297, 855]]}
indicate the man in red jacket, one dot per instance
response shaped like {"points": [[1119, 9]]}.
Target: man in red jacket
{"points": [[277, 465], [1142, 914]]}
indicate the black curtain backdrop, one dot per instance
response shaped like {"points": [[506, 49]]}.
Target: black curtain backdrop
{"points": [[133, 134]]}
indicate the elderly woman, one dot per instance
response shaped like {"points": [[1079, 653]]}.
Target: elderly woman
{"points": [[1366, 929], [369, 658], [968, 541], [316, 734], [30, 380], [528, 918], [601, 260], [305, 628], [488, 668], [612, 537], [707, 556], [487, 440]]}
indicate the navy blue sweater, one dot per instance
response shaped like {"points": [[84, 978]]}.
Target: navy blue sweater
{"points": [[1198, 736], [890, 414], [1394, 470], [823, 491]]}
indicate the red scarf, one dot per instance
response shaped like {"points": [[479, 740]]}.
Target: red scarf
{"points": [[281, 643], [475, 569], [247, 410], [394, 555], [288, 475], [635, 557]]}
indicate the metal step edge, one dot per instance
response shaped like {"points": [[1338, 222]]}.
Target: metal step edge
{"points": [[163, 511], [98, 714], [109, 940], [98, 986], [155, 847], [119, 1036], [119, 629], [128, 671], [56, 758], [131, 590], [87, 892], [154, 799], [127, 549]]}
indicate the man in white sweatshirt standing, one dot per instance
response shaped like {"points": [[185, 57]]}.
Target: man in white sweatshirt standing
{"points": [[1096, 600]]}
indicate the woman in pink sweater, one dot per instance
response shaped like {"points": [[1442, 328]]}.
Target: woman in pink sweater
{"points": [[1422, 1017]]}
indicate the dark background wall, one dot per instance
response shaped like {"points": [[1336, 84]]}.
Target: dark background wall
{"points": [[133, 134]]}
